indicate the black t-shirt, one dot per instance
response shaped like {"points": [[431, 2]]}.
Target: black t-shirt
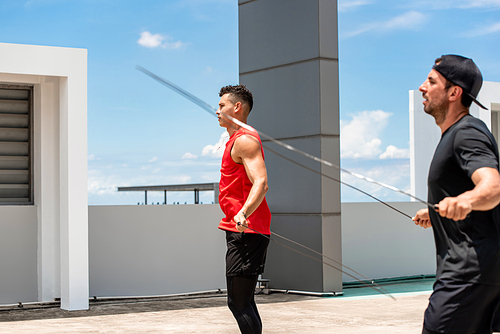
{"points": [[467, 250]]}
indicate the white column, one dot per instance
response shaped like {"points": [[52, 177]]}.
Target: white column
{"points": [[74, 203], [424, 137], [46, 169]]}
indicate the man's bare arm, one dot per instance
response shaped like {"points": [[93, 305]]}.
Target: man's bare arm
{"points": [[247, 151], [485, 196]]}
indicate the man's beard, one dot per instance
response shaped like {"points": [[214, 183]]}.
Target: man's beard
{"points": [[438, 110]]}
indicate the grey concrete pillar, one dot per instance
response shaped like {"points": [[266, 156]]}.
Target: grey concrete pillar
{"points": [[289, 60]]}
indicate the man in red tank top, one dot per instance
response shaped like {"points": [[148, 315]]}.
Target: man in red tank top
{"points": [[242, 190]]}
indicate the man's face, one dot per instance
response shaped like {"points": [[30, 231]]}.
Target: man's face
{"points": [[436, 96], [226, 107]]}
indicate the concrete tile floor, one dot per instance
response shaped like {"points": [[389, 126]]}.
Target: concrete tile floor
{"points": [[281, 313]]}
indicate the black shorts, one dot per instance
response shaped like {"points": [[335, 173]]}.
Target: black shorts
{"points": [[246, 253], [463, 307]]}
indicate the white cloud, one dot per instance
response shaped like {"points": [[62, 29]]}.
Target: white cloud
{"points": [[346, 5], [105, 175], [149, 40], [103, 185], [91, 157], [408, 21], [392, 152], [173, 45], [188, 155], [153, 159], [395, 173], [479, 3], [32, 3], [359, 137], [216, 151], [484, 30], [461, 4]]}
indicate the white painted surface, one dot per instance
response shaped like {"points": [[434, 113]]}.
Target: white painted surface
{"points": [[166, 249], [18, 254], [155, 250], [59, 77], [424, 137], [46, 179], [378, 242]]}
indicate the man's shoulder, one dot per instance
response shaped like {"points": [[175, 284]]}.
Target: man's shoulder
{"points": [[471, 122], [246, 145], [247, 140], [469, 128]]}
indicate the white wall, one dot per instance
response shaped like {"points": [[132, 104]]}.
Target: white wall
{"points": [[166, 249], [155, 250], [379, 242], [18, 254], [424, 137]]}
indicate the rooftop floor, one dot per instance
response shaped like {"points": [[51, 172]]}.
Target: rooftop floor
{"points": [[359, 310]]}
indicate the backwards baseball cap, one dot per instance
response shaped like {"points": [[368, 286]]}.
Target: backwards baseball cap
{"points": [[462, 72]]}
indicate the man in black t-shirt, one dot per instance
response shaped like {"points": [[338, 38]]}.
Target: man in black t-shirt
{"points": [[464, 185]]}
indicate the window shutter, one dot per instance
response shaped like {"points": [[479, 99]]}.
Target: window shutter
{"points": [[15, 144]]}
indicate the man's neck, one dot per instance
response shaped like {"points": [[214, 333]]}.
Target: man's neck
{"points": [[233, 127], [452, 116]]}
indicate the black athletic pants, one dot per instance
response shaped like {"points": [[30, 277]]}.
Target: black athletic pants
{"points": [[462, 308], [240, 292]]}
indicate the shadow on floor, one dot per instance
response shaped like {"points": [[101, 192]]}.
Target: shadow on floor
{"points": [[103, 307]]}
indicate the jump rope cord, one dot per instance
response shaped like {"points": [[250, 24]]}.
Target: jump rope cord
{"points": [[211, 110], [371, 283], [337, 180]]}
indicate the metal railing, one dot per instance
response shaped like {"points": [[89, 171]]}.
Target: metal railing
{"points": [[196, 187]]}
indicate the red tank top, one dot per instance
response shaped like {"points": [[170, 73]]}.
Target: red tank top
{"points": [[234, 187]]}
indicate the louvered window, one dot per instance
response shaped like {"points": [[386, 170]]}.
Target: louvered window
{"points": [[15, 144]]}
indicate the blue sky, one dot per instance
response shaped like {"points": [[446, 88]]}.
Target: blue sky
{"points": [[141, 133]]}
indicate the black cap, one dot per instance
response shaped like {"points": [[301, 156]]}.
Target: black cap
{"points": [[462, 72]]}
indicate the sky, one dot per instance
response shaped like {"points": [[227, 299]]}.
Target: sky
{"points": [[141, 133]]}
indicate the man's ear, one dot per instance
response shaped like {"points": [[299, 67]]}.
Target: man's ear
{"points": [[238, 107], [455, 93]]}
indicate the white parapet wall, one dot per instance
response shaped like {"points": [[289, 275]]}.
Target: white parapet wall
{"points": [[169, 249], [18, 255], [155, 250], [379, 242]]}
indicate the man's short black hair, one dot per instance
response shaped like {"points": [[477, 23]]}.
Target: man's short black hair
{"points": [[238, 93]]}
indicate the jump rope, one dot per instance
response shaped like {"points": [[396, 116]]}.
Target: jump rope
{"points": [[212, 111]]}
